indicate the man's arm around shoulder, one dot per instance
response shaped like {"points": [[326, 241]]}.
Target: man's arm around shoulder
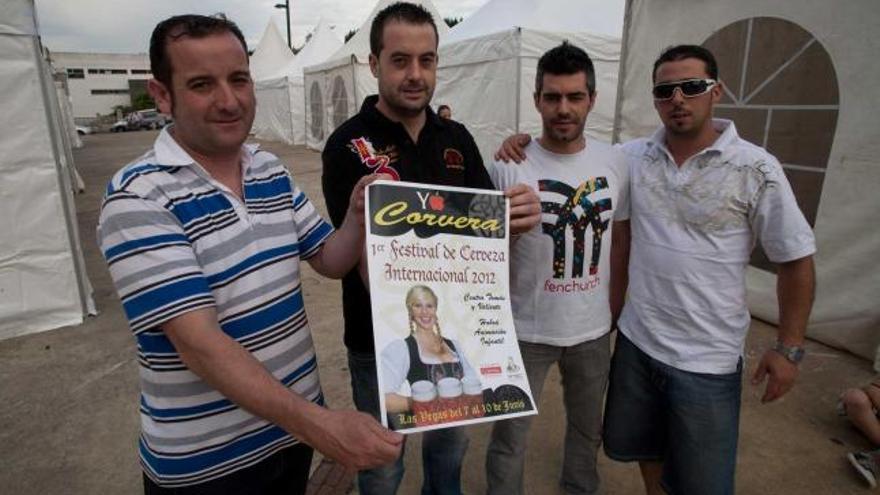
{"points": [[525, 204]]}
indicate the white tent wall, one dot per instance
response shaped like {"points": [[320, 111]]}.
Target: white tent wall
{"points": [[314, 121], [281, 99], [66, 107], [274, 120], [478, 79], [489, 82], [297, 101], [584, 16], [70, 135], [274, 117], [488, 107], [845, 313], [340, 98], [343, 87], [42, 275], [351, 65]]}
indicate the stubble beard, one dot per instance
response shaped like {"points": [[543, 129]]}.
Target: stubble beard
{"points": [[687, 130], [563, 138], [395, 101]]}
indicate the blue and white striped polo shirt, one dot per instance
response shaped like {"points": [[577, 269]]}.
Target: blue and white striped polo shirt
{"points": [[177, 240]]}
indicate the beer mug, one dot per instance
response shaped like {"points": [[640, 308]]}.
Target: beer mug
{"points": [[473, 397], [424, 402], [449, 390]]}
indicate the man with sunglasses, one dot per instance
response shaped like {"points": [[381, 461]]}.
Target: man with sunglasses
{"points": [[700, 198]]}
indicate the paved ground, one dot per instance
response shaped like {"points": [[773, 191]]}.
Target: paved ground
{"points": [[68, 397]]}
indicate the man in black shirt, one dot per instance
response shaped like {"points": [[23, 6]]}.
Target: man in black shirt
{"points": [[397, 133], [370, 142]]}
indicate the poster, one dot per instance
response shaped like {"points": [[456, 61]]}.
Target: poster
{"points": [[446, 348]]}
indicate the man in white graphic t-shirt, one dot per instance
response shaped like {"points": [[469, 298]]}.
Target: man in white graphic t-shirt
{"points": [[561, 270]]}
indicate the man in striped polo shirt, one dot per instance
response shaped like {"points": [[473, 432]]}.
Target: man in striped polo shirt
{"points": [[203, 237]]}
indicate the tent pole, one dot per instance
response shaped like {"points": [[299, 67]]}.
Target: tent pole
{"points": [[305, 115], [64, 158], [354, 88], [518, 75], [288, 87], [621, 72]]}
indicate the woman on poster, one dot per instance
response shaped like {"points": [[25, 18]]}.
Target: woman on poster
{"points": [[424, 356]]}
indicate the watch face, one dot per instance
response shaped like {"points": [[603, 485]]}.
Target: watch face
{"points": [[794, 354]]}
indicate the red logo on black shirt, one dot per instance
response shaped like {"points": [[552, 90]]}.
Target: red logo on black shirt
{"points": [[453, 159], [380, 163]]}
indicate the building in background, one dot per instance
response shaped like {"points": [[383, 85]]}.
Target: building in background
{"points": [[99, 82]]}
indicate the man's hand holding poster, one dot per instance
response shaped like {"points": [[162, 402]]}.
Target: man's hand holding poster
{"points": [[446, 348]]}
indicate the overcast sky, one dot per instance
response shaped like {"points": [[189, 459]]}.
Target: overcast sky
{"points": [[119, 26]]}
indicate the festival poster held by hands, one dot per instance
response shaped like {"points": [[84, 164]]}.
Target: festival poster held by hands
{"points": [[446, 348]]}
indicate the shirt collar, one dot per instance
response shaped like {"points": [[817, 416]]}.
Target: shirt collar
{"points": [[170, 153], [726, 128], [368, 108]]}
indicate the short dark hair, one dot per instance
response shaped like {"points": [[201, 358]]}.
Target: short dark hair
{"points": [[173, 28], [681, 52], [442, 107], [565, 59], [410, 13]]}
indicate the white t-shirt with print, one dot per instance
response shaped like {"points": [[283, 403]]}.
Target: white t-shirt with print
{"points": [[693, 231], [560, 270]]}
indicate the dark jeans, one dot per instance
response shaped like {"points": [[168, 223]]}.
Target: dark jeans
{"points": [[442, 450], [282, 473], [688, 421]]}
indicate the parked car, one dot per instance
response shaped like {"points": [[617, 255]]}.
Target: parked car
{"points": [[83, 130], [120, 126], [151, 119], [140, 120]]}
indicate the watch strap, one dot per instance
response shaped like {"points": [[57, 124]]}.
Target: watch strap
{"points": [[794, 353]]}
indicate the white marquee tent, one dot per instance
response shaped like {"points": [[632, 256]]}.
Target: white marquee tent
{"points": [[335, 89], [66, 107], [488, 63], [43, 284], [281, 95], [799, 82], [270, 53]]}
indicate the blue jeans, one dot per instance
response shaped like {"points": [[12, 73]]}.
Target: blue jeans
{"points": [[688, 421], [442, 450]]}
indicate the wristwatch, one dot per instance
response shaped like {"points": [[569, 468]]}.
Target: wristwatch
{"points": [[794, 354]]}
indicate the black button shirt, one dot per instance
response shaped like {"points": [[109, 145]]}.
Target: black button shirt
{"points": [[369, 142]]}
